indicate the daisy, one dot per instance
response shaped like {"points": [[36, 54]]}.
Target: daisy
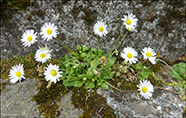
{"points": [[129, 54], [130, 21], [16, 73], [148, 53], [52, 73], [42, 54], [48, 31], [28, 38], [100, 29], [146, 89]]}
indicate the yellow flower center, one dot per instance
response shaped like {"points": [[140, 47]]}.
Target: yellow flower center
{"points": [[129, 55], [128, 21], [101, 29], [144, 89], [43, 55], [49, 31], [148, 54], [103, 58], [18, 73], [43, 48], [53, 72], [29, 38]]}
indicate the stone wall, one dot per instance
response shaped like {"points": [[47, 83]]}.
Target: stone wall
{"points": [[161, 26]]}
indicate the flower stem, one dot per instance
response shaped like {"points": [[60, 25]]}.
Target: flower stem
{"points": [[166, 65], [166, 89], [122, 39], [120, 89], [64, 45], [39, 45], [116, 41], [98, 42]]}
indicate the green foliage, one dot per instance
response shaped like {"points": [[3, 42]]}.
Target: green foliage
{"points": [[143, 70], [180, 74], [86, 67]]}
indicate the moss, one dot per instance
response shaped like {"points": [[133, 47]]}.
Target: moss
{"points": [[94, 105], [184, 113], [47, 98], [29, 66], [10, 6]]}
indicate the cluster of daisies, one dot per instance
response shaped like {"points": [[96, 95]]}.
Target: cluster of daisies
{"points": [[129, 54], [52, 73]]}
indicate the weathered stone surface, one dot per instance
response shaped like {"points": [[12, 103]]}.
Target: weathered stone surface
{"points": [[161, 26], [131, 105], [16, 103]]}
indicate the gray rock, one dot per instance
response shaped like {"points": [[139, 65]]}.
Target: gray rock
{"points": [[161, 26], [157, 27], [128, 106], [16, 101]]}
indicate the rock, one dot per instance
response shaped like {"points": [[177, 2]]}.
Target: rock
{"points": [[15, 101], [125, 105], [161, 26]]}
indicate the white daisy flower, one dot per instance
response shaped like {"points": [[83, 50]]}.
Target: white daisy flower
{"points": [[16, 73], [129, 54], [52, 73], [148, 53], [130, 21], [100, 29], [42, 54], [48, 31], [28, 38], [146, 89]]}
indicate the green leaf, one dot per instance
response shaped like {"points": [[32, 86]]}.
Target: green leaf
{"points": [[65, 83], [176, 76], [71, 83], [79, 47], [95, 62], [182, 68], [101, 53], [105, 86], [78, 83], [85, 48], [111, 61], [99, 82], [184, 86], [94, 50], [67, 56], [83, 54], [140, 77], [106, 74], [144, 74], [75, 53], [90, 72], [146, 68], [89, 84], [137, 66]]}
